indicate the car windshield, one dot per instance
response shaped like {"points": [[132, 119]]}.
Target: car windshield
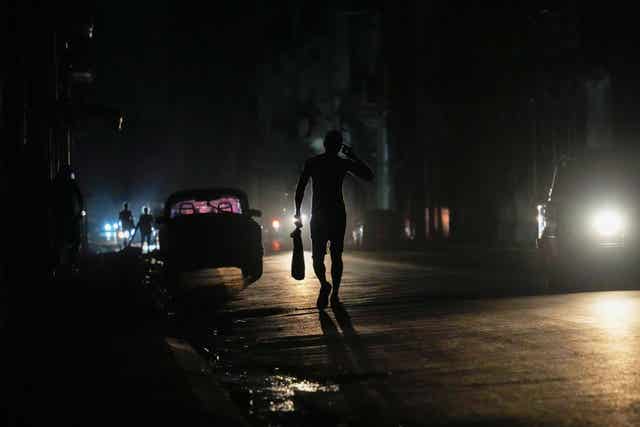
{"points": [[217, 205], [596, 176]]}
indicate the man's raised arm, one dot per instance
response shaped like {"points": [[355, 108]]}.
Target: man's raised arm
{"points": [[302, 185], [359, 168]]}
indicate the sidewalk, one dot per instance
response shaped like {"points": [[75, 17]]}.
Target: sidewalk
{"points": [[97, 354]]}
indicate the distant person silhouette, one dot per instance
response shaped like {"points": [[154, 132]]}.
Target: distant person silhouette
{"points": [[145, 223], [328, 213], [126, 218]]}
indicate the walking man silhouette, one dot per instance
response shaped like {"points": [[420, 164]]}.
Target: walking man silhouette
{"points": [[328, 213], [145, 223]]}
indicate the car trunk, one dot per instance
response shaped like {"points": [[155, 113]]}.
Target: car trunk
{"points": [[202, 241]]}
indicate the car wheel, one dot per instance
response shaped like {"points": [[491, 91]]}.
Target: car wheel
{"points": [[553, 280], [553, 277], [560, 277], [254, 270]]}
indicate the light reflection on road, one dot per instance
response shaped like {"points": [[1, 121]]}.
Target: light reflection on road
{"points": [[567, 359], [615, 313]]}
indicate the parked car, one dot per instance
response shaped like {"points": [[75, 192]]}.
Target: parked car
{"points": [[588, 226], [208, 228]]}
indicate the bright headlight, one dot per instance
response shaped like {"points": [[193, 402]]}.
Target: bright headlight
{"points": [[608, 223], [107, 227]]}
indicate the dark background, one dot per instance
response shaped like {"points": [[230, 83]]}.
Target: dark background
{"points": [[233, 94]]}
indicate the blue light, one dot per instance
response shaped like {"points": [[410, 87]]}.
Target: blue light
{"points": [[107, 227]]}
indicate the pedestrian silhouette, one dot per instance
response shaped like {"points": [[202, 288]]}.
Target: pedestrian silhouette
{"points": [[145, 224], [328, 213], [126, 218]]}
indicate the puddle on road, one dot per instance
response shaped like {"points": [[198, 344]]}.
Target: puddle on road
{"points": [[284, 388], [268, 394]]}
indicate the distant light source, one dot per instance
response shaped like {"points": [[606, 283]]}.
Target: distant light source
{"points": [[90, 31], [608, 223], [540, 218], [107, 227], [120, 123], [83, 213], [445, 218], [275, 224]]}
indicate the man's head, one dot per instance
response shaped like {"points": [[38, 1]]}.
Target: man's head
{"points": [[126, 206], [146, 210], [333, 141]]}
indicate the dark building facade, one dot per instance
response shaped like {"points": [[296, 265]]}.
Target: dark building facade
{"points": [[328, 73]]}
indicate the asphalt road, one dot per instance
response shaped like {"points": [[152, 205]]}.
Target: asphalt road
{"points": [[407, 348]]}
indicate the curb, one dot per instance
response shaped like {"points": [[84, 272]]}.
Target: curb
{"points": [[212, 396]]}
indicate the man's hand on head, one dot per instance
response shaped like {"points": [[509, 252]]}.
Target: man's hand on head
{"points": [[348, 151]]}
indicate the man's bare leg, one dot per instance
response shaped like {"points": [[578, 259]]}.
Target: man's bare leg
{"points": [[325, 287], [336, 275]]}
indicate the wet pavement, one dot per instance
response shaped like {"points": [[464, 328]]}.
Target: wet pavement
{"points": [[422, 344]]}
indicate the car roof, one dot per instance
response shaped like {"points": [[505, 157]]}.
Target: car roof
{"points": [[203, 193]]}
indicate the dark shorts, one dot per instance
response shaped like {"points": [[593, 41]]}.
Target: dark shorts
{"points": [[328, 228]]}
